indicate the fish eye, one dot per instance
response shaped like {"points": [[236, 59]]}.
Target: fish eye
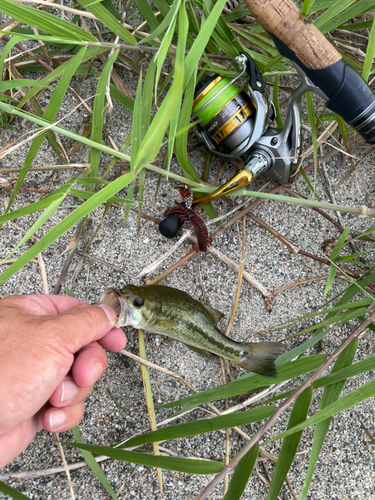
{"points": [[138, 302]]}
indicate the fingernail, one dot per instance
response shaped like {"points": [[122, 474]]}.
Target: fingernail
{"points": [[97, 372], [57, 418], [110, 313], [69, 390]]}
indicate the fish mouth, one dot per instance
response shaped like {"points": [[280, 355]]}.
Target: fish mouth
{"points": [[113, 298]]}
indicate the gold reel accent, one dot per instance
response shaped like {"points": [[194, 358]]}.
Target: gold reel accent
{"points": [[233, 122]]}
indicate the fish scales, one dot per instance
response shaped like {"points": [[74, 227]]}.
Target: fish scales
{"points": [[171, 312]]}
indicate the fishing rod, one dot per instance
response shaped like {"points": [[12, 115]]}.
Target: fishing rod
{"points": [[236, 124]]}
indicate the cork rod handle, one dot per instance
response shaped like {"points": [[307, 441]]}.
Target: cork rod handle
{"points": [[284, 20]]}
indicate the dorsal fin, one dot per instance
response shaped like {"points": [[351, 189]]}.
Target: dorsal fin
{"points": [[214, 313]]}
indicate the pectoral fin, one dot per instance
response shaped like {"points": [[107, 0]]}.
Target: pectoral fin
{"points": [[199, 351], [164, 323]]}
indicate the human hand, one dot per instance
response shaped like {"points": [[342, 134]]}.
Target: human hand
{"points": [[51, 354]]}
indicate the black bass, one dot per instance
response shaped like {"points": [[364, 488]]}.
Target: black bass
{"points": [[171, 312]]}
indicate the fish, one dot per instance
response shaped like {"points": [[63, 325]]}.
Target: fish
{"points": [[174, 313]]}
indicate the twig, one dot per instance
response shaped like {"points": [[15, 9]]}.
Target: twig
{"points": [[43, 273], [66, 468], [170, 270], [151, 365], [294, 249], [50, 70], [248, 277], [60, 167], [68, 261], [11, 261], [102, 262], [160, 260], [253, 399], [77, 270], [303, 282]]}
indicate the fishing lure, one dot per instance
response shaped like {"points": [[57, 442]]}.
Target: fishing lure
{"points": [[189, 216]]}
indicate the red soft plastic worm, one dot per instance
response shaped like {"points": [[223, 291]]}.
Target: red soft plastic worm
{"points": [[189, 216], [186, 194]]}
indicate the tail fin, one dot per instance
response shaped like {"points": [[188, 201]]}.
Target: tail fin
{"points": [[261, 356]]}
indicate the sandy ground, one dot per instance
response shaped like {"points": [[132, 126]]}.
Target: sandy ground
{"points": [[346, 466]]}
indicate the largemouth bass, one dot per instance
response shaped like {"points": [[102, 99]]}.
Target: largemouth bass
{"points": [[174, 313]]}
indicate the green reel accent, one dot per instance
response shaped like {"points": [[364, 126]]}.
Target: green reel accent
{"points": [[218, 103]]}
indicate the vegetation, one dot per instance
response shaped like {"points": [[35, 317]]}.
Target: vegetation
{"points": [[190, 39]]}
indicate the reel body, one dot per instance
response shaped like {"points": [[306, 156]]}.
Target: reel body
{"points": [[236, 123], [233, 120]]}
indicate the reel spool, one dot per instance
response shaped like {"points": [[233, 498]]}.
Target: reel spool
{"points": [[232, 120], [226, 113]]}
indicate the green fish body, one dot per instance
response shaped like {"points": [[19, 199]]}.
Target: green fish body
{"points": [[167, 311]]}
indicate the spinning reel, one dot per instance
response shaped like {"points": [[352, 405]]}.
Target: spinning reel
{"points": [[236, 124]]}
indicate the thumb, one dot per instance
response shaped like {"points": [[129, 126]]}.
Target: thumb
{"points": [[81, 325]]}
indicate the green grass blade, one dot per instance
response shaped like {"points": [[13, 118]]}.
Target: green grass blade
{"points": [[349, 371], [46, 216], [181, 140], [163, 50], [340, 13], [370, 54], [290, 443], [154, 136], [188, 465], [201, 41], [251, 381], [340, 375], [93, 464], [337, 319], [13, 84], [202, 426], [333, 255], [141, 184], [331, 394], [241, 474], [11, 110], [69, 221], [29, 209], [136, 124], [8, 490], [183, 26], [8, 47], [311, 116], [121, 98], [43, 21], [98, 113], [149, 16], [163, 27], [306, 6], [275, 99], [147, 99], [109, 20], [353, 398], [333, 9], [149, 399], [49, 115], [90, 53]]}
